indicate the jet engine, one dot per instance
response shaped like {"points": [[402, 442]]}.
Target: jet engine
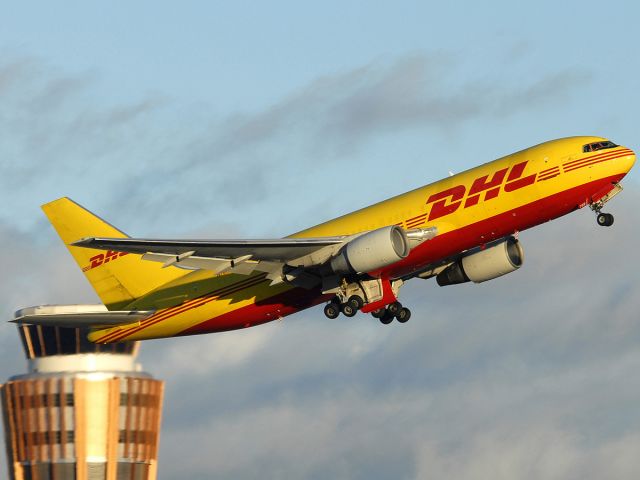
{"points": [[371, 251], [479, 265]]}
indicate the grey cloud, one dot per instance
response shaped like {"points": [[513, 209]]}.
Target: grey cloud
{"points": [[36, 272], [14, 72], [54, 93], [57, 137], [558, 87], [54, 132], [412, 92], [326, 122], [539, 452]]}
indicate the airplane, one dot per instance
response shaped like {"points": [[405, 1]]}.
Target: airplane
{"points": [[463, 228]]}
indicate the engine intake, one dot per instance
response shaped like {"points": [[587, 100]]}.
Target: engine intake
{"points": [[372, 250], [479, 265]]}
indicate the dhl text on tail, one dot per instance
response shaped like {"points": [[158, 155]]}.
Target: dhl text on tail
{"points": [[459, 229]]}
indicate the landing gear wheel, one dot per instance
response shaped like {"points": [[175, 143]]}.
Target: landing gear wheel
{"points": [[348, 310], [356, 302], [378, 313], [387, 317], [403, 315], [605, 219], [394, 308], [331, 310]]}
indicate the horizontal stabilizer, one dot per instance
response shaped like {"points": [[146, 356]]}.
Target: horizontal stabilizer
{"points": [[74, 316]]}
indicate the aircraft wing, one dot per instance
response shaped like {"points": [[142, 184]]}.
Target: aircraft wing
{"points": [[276, 250], [239, 256]]}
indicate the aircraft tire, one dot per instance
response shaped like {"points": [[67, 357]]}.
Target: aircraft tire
{"points": [[605, 219], [387, 318], [378, 313], [331, 310], [356, 302], [403, 315], [394, 308], [348, 310]]}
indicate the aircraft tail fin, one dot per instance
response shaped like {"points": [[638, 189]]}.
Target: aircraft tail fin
{"points": [[118, 278]]}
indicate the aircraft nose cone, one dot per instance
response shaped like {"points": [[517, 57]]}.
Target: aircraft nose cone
{"points": [[627, 160]]}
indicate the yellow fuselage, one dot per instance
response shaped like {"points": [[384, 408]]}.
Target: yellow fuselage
{"points": [[472, 208]]}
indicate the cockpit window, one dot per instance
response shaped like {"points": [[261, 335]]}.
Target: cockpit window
{"points": [[592, 147]]}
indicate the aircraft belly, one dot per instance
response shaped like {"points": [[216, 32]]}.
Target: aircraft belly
{"points": [[173, 321], [261, 311]]}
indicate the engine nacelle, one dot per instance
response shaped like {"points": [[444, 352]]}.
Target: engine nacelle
{"points": [[372, 251], [478, 266]]}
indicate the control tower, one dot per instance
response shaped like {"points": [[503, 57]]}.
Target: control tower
{"points": [[83, 411]]}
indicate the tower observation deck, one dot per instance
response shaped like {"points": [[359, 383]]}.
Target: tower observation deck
{"points": [[82, 411]]}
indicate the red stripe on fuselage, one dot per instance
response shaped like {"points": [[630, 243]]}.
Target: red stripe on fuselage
{"points": [[595, 159], [593, 162], [625, 151], [195, 303]]}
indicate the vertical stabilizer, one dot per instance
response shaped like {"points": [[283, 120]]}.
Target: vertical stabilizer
{"points": [[118, 278]]}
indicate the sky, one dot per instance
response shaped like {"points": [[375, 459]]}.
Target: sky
{"points": [[246, 119]]}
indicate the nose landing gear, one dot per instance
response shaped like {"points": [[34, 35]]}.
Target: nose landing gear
{"points": [[605, 219]]}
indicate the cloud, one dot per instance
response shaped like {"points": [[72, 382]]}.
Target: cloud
{"points": [[346, 109], [239, 160], [51, 118], [540, 452], [62, 134]]}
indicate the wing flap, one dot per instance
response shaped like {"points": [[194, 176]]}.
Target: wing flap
{"points": [[240, 265]]}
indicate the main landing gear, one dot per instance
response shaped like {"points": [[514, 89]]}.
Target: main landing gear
{"points": [[348, 308], [391, 311], [352, 296], [386, 315]]}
